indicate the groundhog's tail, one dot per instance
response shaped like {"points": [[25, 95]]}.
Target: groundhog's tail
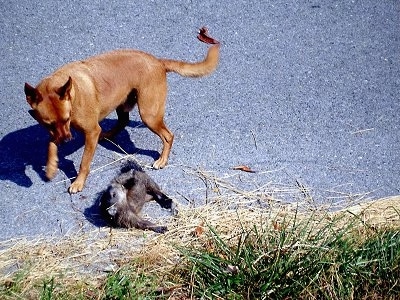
{"points": [[198, 69]]}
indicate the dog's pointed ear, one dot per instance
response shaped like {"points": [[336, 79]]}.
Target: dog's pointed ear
{"points": [[31, 94], [65, 89]]}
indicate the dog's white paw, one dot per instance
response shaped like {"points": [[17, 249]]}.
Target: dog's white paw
{"points": [[159, 163], [76, 187]]}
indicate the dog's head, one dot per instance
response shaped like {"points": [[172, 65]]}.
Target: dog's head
{"points": [[51, 107]]}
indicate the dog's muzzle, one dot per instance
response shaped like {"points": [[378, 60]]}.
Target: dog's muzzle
{"points": [[61, 133], [60, 139]]}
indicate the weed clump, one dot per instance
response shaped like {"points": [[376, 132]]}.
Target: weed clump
{"points": [[297, 260]]}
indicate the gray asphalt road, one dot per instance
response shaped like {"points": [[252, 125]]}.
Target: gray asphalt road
{"points": [[306, 94]]}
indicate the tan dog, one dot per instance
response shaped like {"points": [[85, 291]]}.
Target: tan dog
{"points": [[82, 93]]}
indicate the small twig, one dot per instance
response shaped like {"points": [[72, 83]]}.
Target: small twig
{"points": [[116, 145], [254, 138], [362, 131], [98, 169], [190, 201]]}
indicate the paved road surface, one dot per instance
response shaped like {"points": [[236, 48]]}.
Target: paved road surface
{"points": [[306, 94]]}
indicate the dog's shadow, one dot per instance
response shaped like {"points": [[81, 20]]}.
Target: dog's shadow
{"points": [[27, 147]]}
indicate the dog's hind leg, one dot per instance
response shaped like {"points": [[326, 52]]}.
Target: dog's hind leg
{"points": [[123, 116], [123, 120], [158, 127], [151, 105]]}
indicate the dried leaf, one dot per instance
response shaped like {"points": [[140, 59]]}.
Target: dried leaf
{"points": [[199, 230], [243, 168], [276, 225], [205, 37]]}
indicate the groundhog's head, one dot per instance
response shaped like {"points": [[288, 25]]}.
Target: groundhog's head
{"points": [[113, 200]]}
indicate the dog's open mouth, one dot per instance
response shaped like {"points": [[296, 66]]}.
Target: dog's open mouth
{"points": [[58, 137], [62, 139]]}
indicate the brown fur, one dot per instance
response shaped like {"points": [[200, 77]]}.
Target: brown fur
{"points": [[124, 199], [82, 93]]}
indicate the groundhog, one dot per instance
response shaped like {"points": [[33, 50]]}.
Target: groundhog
{"points": [[123, 200]]}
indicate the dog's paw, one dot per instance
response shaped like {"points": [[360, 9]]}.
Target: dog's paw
{"points": [[75, 187], [51, 171], [159, 163]]}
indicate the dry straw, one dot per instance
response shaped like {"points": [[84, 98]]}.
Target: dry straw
{"points": [[89, 256]]}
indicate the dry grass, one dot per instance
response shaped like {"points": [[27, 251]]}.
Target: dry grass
{"points": [[83, 260]]}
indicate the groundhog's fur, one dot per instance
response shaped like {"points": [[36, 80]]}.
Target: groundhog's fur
{"points": [[123, 200]]}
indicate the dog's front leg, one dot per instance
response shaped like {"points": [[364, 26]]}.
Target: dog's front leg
{"points": [[91, 139], [52, 161]]}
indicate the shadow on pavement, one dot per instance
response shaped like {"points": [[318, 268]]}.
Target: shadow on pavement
{"points": [[93, 213], [28, 147], [124, 141]]}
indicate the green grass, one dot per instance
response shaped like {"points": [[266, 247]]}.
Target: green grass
{"points": [[122, 284], [48, 289], [11, 288], [313, 257], [297, 261], [127, 284]]}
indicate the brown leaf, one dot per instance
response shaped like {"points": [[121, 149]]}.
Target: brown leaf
{"points": [[209, 246], [276, 225], [243, 168], [205, 37], [199, 230]]}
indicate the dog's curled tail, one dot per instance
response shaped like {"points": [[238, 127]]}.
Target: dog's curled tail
{"points": [[198, 69]]}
